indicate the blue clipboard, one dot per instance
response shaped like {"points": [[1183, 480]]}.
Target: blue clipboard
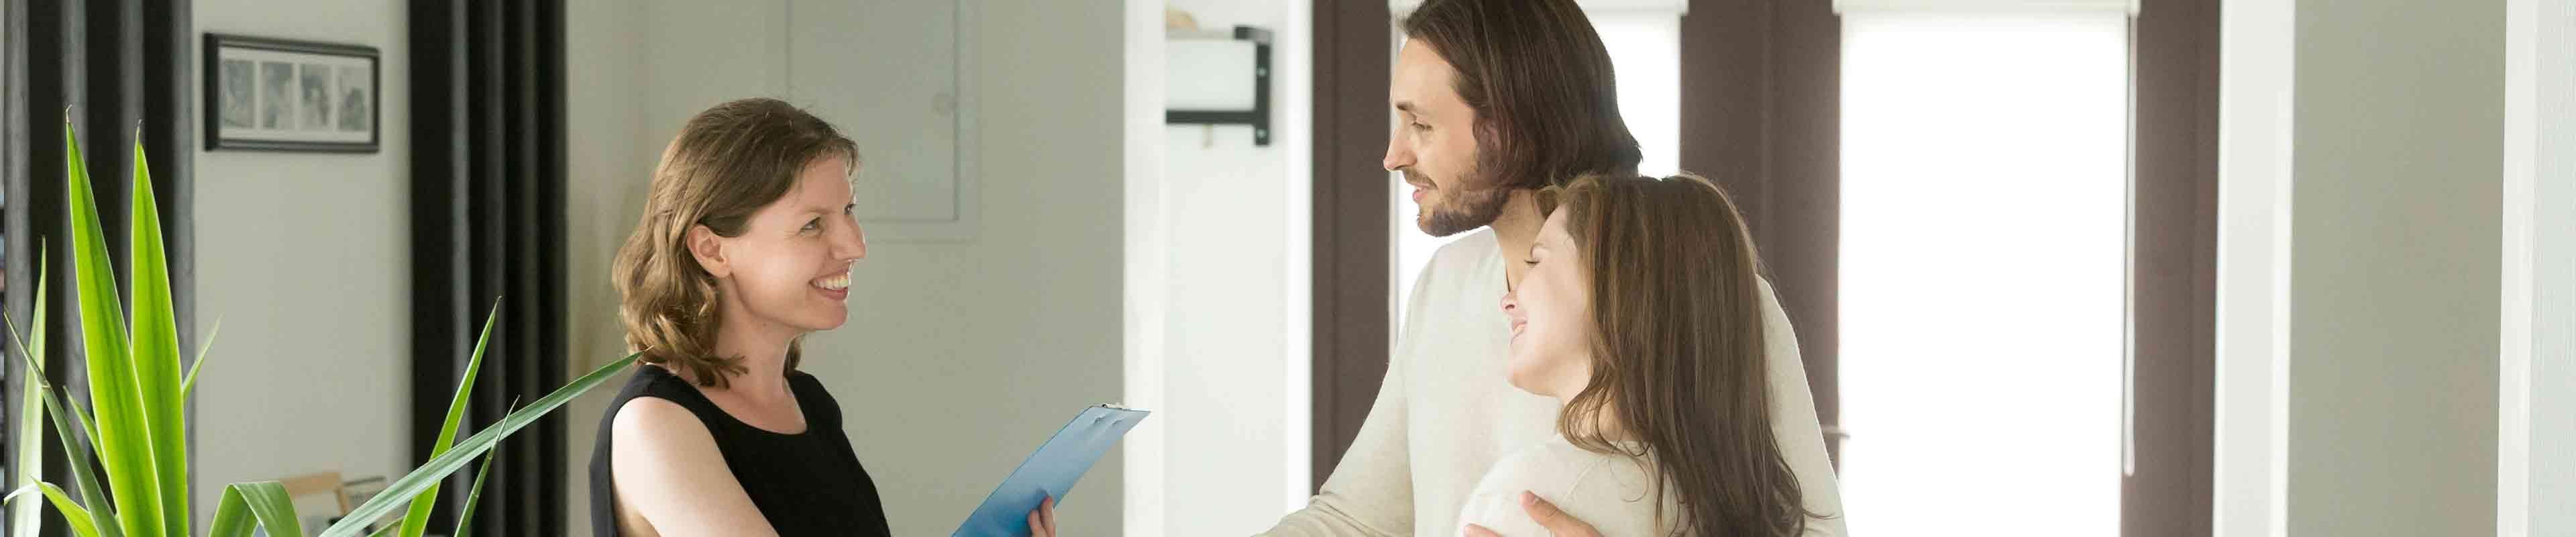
{"points": [[1051, 471]]}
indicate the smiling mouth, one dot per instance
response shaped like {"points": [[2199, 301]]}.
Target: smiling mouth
{"points": [[1415, 178], [836, 282]]}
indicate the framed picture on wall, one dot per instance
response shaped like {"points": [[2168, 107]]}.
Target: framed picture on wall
{"points": [[281, 95]]}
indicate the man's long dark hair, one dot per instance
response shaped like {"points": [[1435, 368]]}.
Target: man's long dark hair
{"points": [[1547, 107]]}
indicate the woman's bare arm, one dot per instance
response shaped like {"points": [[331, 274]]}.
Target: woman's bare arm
{"points": [[667, 470]]}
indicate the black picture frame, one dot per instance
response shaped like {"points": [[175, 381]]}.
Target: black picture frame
{"points": [[265, 94]]}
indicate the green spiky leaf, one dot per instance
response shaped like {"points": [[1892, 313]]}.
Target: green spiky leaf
{"points": [[155, 358], [60, 409], [125, 445], [417, 520], [252, 506], [79, 519], [465, 450], [28, 519], [78, 449], [188, 386], [474, 495]]}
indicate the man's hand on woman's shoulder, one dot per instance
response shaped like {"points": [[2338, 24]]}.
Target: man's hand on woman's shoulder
{"points": [[1558, 523]]}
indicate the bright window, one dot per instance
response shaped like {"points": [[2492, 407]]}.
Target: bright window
{"points": [[1984, 224]]}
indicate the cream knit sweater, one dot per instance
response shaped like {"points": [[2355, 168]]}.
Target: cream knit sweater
{"points": [[1446, 413]]}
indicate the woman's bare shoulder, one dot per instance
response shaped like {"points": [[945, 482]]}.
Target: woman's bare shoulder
{"points": [[654, 420]]}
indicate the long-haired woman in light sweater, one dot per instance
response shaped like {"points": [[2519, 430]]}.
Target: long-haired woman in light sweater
{"points": [[1642, 312]]}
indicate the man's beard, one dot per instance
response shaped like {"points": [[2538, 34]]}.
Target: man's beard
{"points": [[1472, 207]]}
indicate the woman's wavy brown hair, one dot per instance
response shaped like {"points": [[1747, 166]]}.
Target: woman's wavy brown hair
{"points": [[726, 163], [1678, 360]]}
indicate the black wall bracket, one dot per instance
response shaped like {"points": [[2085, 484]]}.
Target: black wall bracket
{"points": [[1259, 116]]}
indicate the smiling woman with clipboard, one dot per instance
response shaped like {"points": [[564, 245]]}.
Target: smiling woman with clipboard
{"points": [[745, 246]]}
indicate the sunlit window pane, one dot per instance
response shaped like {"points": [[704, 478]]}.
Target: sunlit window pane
{"points": [[1984, 205]]}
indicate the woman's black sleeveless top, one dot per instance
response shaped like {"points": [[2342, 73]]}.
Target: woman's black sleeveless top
{"points": [[808, 483]]}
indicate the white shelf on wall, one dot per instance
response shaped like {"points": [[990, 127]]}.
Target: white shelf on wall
{"points": [[1219, 78]]}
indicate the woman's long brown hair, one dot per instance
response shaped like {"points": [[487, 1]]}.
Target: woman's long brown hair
{"points": [[726, 163], [1678, 359]]}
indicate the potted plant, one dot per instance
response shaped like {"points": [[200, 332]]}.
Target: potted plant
{"points": [[134, 424]]}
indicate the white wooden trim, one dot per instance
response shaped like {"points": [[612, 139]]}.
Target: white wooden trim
{"points": [[2250, 462], [2537, 348]]}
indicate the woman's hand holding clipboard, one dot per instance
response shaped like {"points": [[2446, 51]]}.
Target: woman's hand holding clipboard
{"points": [[1048, 474]]}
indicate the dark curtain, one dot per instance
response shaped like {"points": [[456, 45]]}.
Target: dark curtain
{"points": [[487, 226], [2173, 271], [1761, 91], [120, 71], [1351, 325]]}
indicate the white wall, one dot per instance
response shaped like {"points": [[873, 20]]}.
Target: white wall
{"points": [[2354, 369], [611, 159], [959, 357], [307, 263], [2536, 466], [2394, 267], [1221, 263], [1143, 307]]}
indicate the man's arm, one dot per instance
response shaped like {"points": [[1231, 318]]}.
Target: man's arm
{"points": [[1371, 491], [1793, 420]]}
